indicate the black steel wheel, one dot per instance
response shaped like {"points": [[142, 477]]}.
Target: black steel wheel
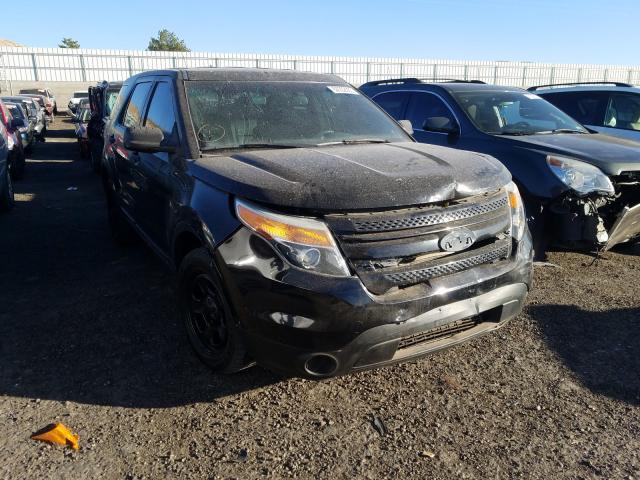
{"points": [[211, 327], [206, 314]]}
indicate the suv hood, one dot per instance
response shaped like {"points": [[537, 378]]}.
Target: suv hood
{"points": [[349, 177], [612, 155]]}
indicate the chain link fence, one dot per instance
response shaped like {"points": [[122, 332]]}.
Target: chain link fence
{"points": [[85, 65]]}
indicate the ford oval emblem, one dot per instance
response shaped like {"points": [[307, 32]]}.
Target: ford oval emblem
{"points": [[457, 240]]}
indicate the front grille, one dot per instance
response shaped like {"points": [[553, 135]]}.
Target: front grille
{"points": [[423, 220], [496, 251], [438, 332], [400, 248]]}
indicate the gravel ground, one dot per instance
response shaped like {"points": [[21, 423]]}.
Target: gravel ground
{"points": [[89, 337]]}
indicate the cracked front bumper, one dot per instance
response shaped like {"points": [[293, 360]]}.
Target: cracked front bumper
{"points": [[304, 324]]}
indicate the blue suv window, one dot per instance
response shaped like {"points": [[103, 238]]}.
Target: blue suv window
{"points": [[393, 103], [423, 105]]}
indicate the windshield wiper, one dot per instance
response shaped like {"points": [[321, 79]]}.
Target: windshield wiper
{"points": [[355, 142], [566, 130], [514, 133], [254, 145]]}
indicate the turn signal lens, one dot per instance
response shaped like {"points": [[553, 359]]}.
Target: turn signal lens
{"points": [[514, 200], [274, 230], [518, 218]]}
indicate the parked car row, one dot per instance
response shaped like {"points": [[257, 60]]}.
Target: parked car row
{"points": [[46, 98], [24, 124]]}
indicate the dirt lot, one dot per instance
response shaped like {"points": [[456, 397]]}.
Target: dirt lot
{"points": [[89, 336]]}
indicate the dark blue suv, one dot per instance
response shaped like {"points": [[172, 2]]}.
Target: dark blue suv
{"points": [[581, 188]]}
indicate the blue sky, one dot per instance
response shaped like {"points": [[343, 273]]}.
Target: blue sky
{"points": [[566, 31]]}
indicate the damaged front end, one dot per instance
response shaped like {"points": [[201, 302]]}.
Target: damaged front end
{"points": [[598, 219]]}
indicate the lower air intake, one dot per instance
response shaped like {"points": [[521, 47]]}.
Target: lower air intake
{"points": [[439, 332]]}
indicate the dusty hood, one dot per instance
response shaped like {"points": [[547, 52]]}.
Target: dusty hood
{"points": [[611, 154], [349, 177]]}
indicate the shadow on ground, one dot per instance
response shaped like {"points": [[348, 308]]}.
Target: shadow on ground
{"points": [[601, 348], [81, 319]]}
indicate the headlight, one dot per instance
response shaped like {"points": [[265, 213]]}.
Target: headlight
{"points": [[580, 176], [304, 242], [518, 219]]}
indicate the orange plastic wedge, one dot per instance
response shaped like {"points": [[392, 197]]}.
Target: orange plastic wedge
{"points": [[59, 434]]}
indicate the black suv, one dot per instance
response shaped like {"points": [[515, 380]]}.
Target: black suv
{"points": [[310, 232], [582, 189]]}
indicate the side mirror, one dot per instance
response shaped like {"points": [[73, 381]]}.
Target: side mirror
{"points": [[440, 125], [145, 139], [406, 126]]}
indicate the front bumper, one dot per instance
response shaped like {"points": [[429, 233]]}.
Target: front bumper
{"points": [[310, 325]]}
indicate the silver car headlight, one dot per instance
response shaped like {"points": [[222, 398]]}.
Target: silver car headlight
{"points": [[518, 218], [580, 176], [304, 242]]}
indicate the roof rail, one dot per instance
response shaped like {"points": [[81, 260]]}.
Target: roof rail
{"points": [[573, 84], [396, 81], [392, 81]]}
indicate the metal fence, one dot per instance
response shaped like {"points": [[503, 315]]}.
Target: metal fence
{"points": [[85, 65]]}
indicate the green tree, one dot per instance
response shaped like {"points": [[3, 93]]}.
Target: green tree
{"points": [[69, 43], [167, 42]]}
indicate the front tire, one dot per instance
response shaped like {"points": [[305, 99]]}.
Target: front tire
{"points": [[208, 318]]}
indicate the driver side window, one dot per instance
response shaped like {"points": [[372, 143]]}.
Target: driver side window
{"points": [[133, 113], [426, 105]]}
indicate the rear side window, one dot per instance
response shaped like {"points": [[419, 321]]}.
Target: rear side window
{"points": [[585, 107], [133, 113], [426, 105], [393, 103], [161, 113]]}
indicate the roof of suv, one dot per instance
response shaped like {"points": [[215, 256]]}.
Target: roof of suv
{"points": [[245, 74], [585, 87], [450, 85]]}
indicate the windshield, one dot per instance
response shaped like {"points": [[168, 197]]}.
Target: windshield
{"points": [[514, 113], [80, 94], [262, 114], [112, 96], [33, 91]]}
